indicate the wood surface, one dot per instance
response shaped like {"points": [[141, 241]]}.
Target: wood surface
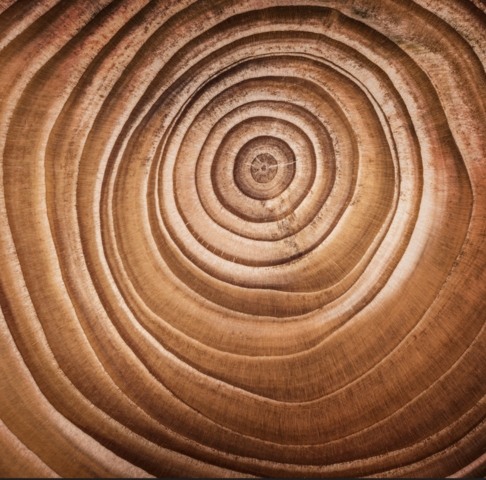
{"points": [[242, 238]]}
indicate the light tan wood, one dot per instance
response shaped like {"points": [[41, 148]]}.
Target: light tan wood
{"points": [[243, 238]]}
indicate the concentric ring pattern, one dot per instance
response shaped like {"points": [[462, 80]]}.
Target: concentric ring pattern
{"points": [[243, 237]]}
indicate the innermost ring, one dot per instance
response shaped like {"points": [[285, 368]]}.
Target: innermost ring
{"points": [[264, 168]]}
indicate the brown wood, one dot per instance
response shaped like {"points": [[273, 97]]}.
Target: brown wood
{"points": [[243, 237]]}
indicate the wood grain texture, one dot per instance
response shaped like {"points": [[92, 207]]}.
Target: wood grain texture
{"points": [[243, 238]]}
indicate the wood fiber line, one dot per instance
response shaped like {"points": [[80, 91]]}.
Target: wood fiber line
{"points": [[242, 238]]}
